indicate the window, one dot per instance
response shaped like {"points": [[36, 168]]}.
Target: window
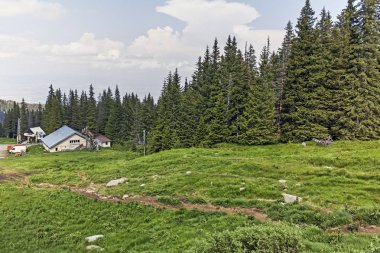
{"points": [[74, 141]]}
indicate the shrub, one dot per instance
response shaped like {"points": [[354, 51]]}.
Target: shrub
{"points": [[268, 238], [369, 216], [338, 218]]}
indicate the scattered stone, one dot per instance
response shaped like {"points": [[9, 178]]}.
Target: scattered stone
{"points": [[328, 168], [155, 177], [188, 172], [291, 198], [125, 196], [142, 185], [116, 182], [304, 144], [298, 184], [93, 238], [94, 247], [241, 189], [282, 181]]}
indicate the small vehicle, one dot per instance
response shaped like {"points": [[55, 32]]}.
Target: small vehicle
{"points": [[17, 149]]}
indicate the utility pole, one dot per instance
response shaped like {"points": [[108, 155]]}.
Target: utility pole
{"points": [[18, 131], [144, 141]]}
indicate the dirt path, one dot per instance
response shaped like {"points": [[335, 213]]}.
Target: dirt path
{"points": [[91, 192], [3, 151], [362, 229]]}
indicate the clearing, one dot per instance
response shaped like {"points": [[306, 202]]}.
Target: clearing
{"points": [[174, 199]]}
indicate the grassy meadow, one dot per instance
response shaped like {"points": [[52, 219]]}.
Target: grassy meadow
{"points": [[339, 185], [7, 141]]}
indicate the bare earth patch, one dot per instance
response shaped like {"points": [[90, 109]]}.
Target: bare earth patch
{"points": [[91, 192], [363, 229], [13, 176]]}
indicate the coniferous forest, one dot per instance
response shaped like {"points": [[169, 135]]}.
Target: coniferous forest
{"points": [[323, 81]]}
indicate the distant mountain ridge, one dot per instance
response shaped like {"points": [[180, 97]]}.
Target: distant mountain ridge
{"points": [[5, 105]]}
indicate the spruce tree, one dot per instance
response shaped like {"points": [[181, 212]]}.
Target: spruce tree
{"points": [[113, 127], [300, 119], [281, 71], [91, 110], [259, 121], [23, 117]]}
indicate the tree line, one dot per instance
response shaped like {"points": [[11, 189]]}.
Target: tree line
{"points": [[323, 81]]}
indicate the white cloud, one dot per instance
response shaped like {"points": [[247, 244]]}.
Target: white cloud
{"points": [[103, 53], [204, 20], [87, 47], [36, 8], [160, 49]]}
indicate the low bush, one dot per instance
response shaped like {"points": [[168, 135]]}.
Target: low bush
{"points": [[268, 238]]}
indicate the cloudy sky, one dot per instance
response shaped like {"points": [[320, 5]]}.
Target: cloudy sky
{"points": [[130, 43]]}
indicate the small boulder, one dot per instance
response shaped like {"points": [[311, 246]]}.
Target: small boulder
{"points": [[93, 238], [116, 182], [142, 185], [291, 198], [126, 196], [282, 181], [188, 172], [304, 144], [94, 247], [241, 189]]}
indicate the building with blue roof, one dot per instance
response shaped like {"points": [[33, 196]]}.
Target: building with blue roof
{"points": [[65, 139]]}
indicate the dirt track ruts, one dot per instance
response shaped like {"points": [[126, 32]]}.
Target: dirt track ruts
{"points": [[90, 192]]}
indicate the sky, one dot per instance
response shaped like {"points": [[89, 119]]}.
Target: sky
{"points": [[130, 43]]}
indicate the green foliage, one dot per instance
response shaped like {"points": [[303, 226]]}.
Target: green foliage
{"points": [[266, 238]]}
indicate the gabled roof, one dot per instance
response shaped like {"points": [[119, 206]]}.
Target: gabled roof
{"points": [[36, 130], [101, 138], [60, 135]]}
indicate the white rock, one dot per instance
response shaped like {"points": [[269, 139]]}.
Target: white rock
{"points": [[298, 184], [116, 182], [188, 172], [291, 198], [93, 238], [304, 144], [142, 185], [282, 181], [155, 177], [241, 189], [328, 168], [94, 247], [125, 196]]}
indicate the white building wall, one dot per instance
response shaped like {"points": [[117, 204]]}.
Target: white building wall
{"points": [[66, 145]]}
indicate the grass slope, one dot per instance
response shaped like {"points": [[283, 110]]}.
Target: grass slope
{"points": [[7, 141], [343, 178]]}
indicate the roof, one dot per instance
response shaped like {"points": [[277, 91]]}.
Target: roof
{"points": [[101, 138], [36, 130], [60, 135]]}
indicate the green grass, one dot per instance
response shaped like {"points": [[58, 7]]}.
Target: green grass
{"points": [[346, 173], [7, 141], [343, 179]]}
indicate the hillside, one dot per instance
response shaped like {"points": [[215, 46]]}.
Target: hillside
{"points": [[5, 105], [338, 184]]}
